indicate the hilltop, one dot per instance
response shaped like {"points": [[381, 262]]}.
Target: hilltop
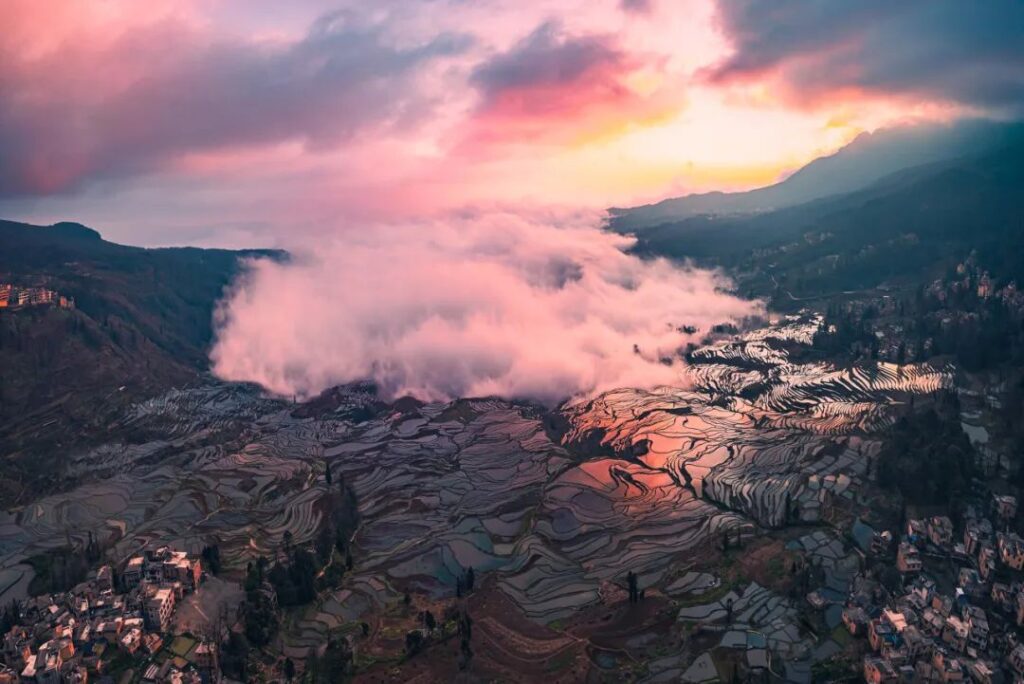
{"points": [[868, 159], [907, 228]]}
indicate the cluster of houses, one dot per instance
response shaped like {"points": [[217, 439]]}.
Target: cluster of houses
{"points": [[964, 628], [72, 637], [13, 297], [970, 278]]}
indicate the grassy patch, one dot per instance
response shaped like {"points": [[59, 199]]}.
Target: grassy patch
{"points": [[561, 661], [182, 645], [349, 628], [842, 636], [393, 632], [365, 661]]}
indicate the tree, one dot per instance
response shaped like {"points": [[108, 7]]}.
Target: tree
{"points": [[927, 455], [287, 542], [261, 620], [337, 659], [632, 585], [466, 653], [466, 634], [465, 626], [313, 668], [252, 577], [413, 642], [11, 617], [429, 621], [235, 656], [325, 541], [294, 580], [327, 472], [289, 669], [211, 558]]}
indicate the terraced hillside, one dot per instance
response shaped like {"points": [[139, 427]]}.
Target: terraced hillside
{"points": [[141, 324], [554, 508]]}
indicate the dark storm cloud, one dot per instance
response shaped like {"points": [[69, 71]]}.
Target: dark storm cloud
{"points": [[636, 6], [554, 87], [546, 58], [199, 94], [968, 52]]}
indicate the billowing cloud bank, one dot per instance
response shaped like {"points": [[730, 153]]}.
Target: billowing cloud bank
{"points": [[499, 305]]}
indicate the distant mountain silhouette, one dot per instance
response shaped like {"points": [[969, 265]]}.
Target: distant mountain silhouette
{"points": [[870, 157], [906, 227]]}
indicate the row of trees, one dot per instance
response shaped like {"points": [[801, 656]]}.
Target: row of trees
{"points": [[299, 573], [61, 569]]}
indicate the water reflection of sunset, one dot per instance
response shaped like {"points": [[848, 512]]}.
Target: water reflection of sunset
{"points": [[754, 452]]}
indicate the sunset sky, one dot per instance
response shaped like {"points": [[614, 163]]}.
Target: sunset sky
{"points": [[240, 122]]}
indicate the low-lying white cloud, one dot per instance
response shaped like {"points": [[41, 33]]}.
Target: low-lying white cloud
{"points": [[494, 305]]}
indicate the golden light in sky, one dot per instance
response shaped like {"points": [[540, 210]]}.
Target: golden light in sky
{"points": [[312, 111]]}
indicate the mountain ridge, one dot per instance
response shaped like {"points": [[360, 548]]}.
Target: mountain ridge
{"points": [[867, 159], [906, 227]]}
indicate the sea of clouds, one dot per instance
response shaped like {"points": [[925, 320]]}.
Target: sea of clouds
{"points": [[478, 305]]}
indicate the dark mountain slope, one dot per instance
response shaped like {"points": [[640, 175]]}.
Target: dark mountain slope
{"points": [[864, 161], [142, 323], [906, 226]]}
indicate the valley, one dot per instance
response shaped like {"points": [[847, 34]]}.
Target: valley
{"points": [[551, 508]]}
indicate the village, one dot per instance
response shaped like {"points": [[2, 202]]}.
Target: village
{"points": [[15, 298], [114, 627], [955, 613]]}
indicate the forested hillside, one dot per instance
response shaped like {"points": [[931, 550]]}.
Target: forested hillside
{"points": [[907, 228]]}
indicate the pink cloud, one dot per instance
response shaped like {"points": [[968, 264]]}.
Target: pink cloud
{"points": [[553, 87], [817, 54], [482, 305], [137, 95]]}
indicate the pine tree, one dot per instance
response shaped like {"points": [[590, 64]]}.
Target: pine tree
{"points": [[631, 583]]}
